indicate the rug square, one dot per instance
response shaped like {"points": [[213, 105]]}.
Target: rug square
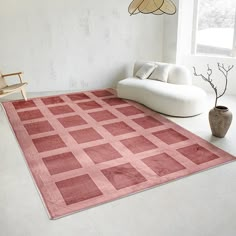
{"points": [[123, 176], [85, 135], [78, 189], [170, 136], [102, 93], [129, 111], [102, 115], [102, 153], [197, 154], [114, 101], [58, 110], [138, 144], [147, 122], [23, 104], [72, 121], [38, 127], [48, 143], [52, 100], [118, 128], [162, 164], [89, 105], [30, 115], [77, 96], [61, 163]]}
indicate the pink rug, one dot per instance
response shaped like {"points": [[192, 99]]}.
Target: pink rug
{"points": [[89, 148]]}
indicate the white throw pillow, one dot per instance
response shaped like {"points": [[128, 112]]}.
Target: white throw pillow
{"points": [[160, 73], [145, 71]]}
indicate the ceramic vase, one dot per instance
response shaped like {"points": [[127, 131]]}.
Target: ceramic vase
{"points": [[220, 119]]}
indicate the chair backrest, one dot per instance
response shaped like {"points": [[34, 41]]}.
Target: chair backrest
{"points": [[2, 82], [177, 74]]}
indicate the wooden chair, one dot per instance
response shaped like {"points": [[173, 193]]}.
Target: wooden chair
{"points": [[7, 89]]}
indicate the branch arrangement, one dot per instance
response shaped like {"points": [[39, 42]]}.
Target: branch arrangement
{"points": [[208, 79]]}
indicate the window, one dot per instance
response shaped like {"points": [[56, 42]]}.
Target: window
{"points": [[215, 27]]}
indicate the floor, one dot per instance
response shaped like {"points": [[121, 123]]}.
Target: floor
{"points": [[203, 204]]}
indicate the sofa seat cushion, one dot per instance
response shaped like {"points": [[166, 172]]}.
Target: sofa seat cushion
{"points": [[166, 98]]}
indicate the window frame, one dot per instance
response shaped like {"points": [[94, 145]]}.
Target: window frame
{"points": [[231, 52]]}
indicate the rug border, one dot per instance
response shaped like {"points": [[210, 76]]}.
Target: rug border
{"points": [[136, 104], [113, 91], [143, 190], [31, 174]]}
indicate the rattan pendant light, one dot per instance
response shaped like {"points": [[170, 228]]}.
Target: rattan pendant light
{"points": [[156, 7]]}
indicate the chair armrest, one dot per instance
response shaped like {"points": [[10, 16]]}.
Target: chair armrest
{"points": [[16, 73]]}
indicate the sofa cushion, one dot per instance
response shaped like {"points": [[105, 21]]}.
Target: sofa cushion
{"points": [[146, 70], [160, 73], [179, 75]]}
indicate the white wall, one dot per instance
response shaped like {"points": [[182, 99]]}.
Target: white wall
{"points": [[170, 33], [185, 30], [75, 44]]}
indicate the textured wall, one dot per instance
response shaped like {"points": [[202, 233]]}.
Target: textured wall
{"points": [[75, 44], [170, 31]]}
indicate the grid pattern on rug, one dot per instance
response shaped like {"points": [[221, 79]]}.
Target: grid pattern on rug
{"points": [[88, 148]]}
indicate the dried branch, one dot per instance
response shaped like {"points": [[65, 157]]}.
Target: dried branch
{"points": [[208, 79], [225, 73]]}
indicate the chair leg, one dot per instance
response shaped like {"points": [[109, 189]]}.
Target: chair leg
{"points": [[23, 93]]}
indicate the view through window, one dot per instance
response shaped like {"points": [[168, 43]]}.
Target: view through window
{"points": [[216, 27]]}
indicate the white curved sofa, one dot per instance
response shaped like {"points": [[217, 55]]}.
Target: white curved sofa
{"points": [[176, 97]]}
